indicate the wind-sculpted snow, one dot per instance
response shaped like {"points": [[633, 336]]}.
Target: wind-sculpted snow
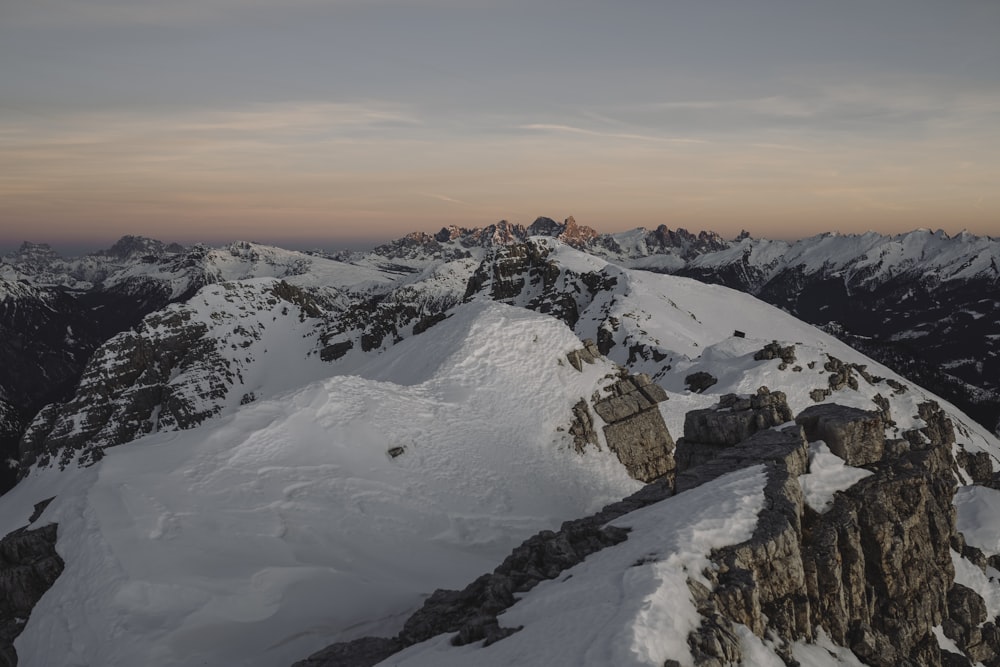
{"points": [[258, 538], [355, 436]]}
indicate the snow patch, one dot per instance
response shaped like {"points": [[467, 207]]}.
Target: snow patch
{"points": [[828, 474]]}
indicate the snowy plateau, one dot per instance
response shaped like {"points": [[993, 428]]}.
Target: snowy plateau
{"points": [[486, 447]]}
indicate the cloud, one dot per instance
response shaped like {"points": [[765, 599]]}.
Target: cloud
{"points": [[76, 13], [569, 129], [450, 200]]}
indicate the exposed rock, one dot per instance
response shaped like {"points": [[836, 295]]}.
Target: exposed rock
{"points": [[819, 395], [172, 372], [700, 381], [635, 429], [472, 612], [775, 350], [335, 351], [578, 236], [978, 465], [427, 321], [874, 571], [854, 435], [966, 612], [734, 419], [363, 652], [582, 428], [588, 354], [842, 374], [29, 565]]}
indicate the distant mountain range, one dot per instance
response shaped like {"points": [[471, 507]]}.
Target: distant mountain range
{"points": [[923, 303], [250, 455]]}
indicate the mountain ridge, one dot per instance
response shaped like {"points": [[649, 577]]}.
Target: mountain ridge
{"points": [[363, 432]]}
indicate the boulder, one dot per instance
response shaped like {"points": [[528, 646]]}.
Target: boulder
{"points": [[855, 435]]}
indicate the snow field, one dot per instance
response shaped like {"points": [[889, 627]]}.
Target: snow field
{"points": [[285, 525], [260, 537]]}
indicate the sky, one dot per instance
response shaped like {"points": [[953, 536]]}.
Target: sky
{"points": [[341, 123]]}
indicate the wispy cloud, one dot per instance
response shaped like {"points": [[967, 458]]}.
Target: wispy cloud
{"points": [[450, 200], [570, 129]]}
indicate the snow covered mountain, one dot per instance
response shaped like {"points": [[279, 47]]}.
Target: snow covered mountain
{"points": [[294, 454]]}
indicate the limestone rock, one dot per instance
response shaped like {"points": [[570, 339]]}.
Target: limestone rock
{"points": [[854, 435], [635, 429], [735, 418], [582, 427], [588, 354]]}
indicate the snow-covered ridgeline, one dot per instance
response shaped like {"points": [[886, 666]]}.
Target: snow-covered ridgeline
{"points": [[287, 524]]}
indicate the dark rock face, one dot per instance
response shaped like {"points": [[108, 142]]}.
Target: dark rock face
{"points": [[524, 274], [363, 652], [121, 388], [854, 435], [10, 434], [46, 337], [29, 565], [700, 381], [128, 387]]}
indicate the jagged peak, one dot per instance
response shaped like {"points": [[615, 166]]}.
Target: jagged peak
{"points": [[30, 251], [130, 246]]}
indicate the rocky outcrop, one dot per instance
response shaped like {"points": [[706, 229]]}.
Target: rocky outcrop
{"points": [[634, 428], [735, 418], [874, 571], [176, 369], [29, 565], [774, 350], [10, 434], [524, 274], [588, 354], [852, 434]]}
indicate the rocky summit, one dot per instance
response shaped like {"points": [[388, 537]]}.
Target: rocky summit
{"points": [[523, 444]]}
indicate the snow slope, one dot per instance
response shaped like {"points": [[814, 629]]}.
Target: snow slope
{"points": [[627, 605], [263, 535], [258, 538]]}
